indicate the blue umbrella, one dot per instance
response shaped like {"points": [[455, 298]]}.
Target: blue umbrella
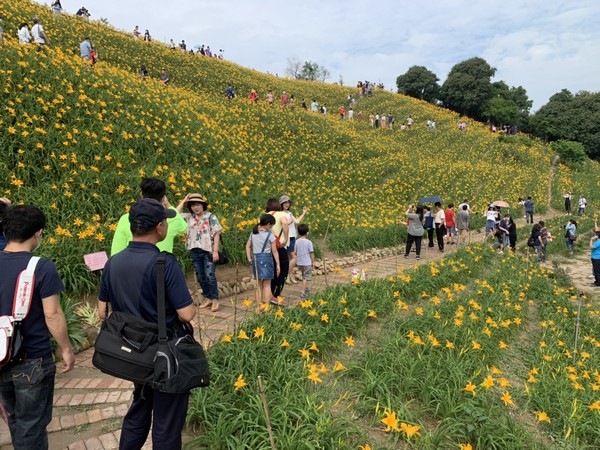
{"points": [[431, 199]]}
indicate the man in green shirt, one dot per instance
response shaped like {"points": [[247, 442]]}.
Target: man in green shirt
{"points": [[156, 189]]}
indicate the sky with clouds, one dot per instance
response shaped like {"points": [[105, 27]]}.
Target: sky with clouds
{"points": [[542, 45]]}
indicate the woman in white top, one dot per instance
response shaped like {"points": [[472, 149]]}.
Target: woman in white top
{"points": [[24, 34], [285, 203], [491, 218]]}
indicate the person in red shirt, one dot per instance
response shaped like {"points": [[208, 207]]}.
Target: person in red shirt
{"points": [[284, 99], [450, 224], [342, 112]]}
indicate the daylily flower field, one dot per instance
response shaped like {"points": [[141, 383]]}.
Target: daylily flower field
{"points": [[471, 352]]}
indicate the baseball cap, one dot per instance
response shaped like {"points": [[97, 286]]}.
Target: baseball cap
{"points": [[146, 213]]}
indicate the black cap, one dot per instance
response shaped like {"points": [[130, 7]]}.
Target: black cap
{"points": [[146, 213]]}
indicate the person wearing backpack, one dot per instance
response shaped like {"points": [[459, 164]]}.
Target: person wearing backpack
{"points": [[27, 379], [428, 224], [570, 235], [536, 240]]}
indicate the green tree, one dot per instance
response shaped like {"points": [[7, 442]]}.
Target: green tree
{"points": [[570, 117], [572, 153], [468, 88], [508, 106], [419, 82]]}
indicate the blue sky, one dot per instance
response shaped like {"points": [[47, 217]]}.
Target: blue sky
{"points": [[542, 45]]}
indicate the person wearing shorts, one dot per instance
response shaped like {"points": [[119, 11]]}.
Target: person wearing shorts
{"points": [[305, 258], [261, 251]]}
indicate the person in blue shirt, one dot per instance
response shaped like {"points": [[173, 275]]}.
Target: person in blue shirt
{"points": [[595, 248], [129, 285], [27, 381], [85, 49]]}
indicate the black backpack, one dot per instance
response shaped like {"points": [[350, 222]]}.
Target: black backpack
{"points": [[531, 241]]}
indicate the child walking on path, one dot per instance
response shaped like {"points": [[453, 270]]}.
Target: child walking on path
{"points": [[305, 258], [261, 251]]}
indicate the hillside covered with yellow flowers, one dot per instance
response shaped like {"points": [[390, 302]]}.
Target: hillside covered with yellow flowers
{"points": [[78, 141]]}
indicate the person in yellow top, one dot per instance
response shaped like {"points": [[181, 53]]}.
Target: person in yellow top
{"points": [[281, 232], [156, 189]]}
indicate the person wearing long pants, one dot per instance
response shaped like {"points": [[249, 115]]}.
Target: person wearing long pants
{"points": [[281, 232], [440, 225], [414, 220], [278, 282]]}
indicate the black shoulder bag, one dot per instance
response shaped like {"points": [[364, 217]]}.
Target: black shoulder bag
{"points": [[147, 353]]}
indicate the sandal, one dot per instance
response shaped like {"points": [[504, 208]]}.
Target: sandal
{"points": [[206, 304], [214, 307]]}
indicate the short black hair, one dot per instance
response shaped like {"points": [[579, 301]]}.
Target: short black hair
{"points": [[21, 222], [465, 207], [303, 229], [153, 188]]}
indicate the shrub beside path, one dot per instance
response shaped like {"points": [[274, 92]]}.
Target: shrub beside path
{"points": [[89, 405]]}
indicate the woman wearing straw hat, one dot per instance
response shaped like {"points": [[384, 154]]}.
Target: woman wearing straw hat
{"points": [[203, 236]]}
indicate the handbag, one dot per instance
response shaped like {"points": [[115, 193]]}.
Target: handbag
{"points": [[148, 353], [180, 363], [223, 257]]}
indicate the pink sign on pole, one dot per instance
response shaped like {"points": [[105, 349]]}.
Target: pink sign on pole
{"points": [[95, 261]]}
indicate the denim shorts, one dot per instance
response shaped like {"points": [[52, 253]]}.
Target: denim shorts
{"points": [[263, 266], [292, 245]]}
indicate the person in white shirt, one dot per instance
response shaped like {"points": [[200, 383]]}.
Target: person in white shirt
{"points": [[38, 34], [23, 34], [581, 205]]}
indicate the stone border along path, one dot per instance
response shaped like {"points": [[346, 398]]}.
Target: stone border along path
{"points": [[89, 405]]}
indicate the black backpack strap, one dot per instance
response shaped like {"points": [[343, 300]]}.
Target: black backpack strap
{"points": [[160, 296]]}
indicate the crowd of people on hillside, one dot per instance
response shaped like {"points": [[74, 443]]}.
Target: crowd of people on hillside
{"points": [[345, 111], [203, 49]]}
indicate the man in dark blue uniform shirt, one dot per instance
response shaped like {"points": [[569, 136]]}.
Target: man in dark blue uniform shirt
{"points": [[129, 285], [27, 385]]}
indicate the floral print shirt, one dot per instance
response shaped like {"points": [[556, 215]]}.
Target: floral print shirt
{"points": [[201, 230]]}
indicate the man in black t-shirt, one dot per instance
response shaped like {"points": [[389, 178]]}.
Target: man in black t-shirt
{"points": [[27, 384], [129, 285]]}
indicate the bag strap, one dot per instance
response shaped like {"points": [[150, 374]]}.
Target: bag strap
{"points": [[24, 290], [265, 243], [160, 296]]}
